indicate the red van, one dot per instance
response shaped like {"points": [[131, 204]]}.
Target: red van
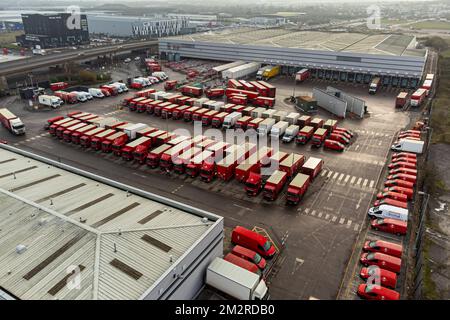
{"points": [[383, 277], [373, 292], [381, 260], [334, 145], [412, 172], [385, 247], [403, 176], [392, 195], [399, 183], [249, 255], [391, 202], [406, 191], [390, 225], [404, 154], [250, 266], [404, 159], [402, 164], [252, 240]]}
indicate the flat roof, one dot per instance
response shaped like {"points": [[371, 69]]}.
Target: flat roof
{"points": [[122, 243], [384, 44]]}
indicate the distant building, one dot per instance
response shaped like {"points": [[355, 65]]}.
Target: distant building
{"points": [[137, 27], [54, 30], [196, 19], [268, 21]]}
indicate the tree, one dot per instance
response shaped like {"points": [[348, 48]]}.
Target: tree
{"points": [[437, 43]]}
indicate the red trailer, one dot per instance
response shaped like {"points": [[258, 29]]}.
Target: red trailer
{"points": [[297, 188], [208, 116], [129, 149], [181, 100], [178, 113], [141, 106], [418, 97], [63, 126], [271, 90], [233, 83], [108, 141], [132, 105], [78, 133], [238, 99], [51, 121], [167, 111], [225, 168], [157, 110], [302, 75], [97, 140], [154, 155], [242, 123], [247, 85], [260, 89], [169, 85], [251, 95], [254, 124], [169, 157], [151, 105], [191, 91], [55, 86], [67, 97], [319, 137], [304, 121], [145, 93], [312, 167], [190, 101], [55, 124], [274, 185], [248, 111], [198, 114], [227, 107], [113, 91], [67, 133], [401, 100], [265, 102], [215, 93], [154, 135], [292, 163]]}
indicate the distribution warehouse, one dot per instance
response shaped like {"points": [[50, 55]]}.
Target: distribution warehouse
{"points": [[59, 224], [339, 56]]}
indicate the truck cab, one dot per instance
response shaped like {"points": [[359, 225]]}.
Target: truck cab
{"points": [[297, 188], [291, 133], [11, 122], [319, 137], [304, 135], [374, 85]]}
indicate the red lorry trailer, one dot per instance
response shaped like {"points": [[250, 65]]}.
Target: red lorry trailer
{"points": [[191, 91], [145, 131], [78, 133], [128, 150], [51, 121], [150, 107], [271, 90], [227, 107], [317, 123], [401, 99], [196, 163], [198, 114], [145, 93], [155, 134], [247, 85], [167, 111], [208, 116], [238, 99], [233, 83], [291, 164], [312, 167], [304, 121], [330, 125], [242, 123], [108, 141], [260, 89], [63, 127], [225, 168], [86, 138], [251, 95], [154, 156], [189, 113], [113, 91], [215, 93], [254, 124], [274, 185], [319, 137], [302, 75], [180, 163], [178, 113], [265, 102], [67, 133], [418, 97], [208, 169], [67, 97], [170, 156], [55, 86], [157, 110], [297, 188], [182, 100], [97, 140], [55, 124]]}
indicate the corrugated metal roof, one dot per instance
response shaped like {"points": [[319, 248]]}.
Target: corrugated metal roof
{"points": [[64, 219]]}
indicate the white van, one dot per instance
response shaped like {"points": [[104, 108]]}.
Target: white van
{"points": [[95, 92], [387, 211], [160, 75], [81, 97]]}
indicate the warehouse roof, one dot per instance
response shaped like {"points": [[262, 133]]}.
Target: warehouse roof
{"points": [[384, 44], [52, 220]]}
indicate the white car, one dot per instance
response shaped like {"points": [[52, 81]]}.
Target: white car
{"points": [[137, 59], [127, 60], [153, 79]]}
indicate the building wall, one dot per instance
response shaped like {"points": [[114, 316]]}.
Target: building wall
{"points": [[403, 66]]}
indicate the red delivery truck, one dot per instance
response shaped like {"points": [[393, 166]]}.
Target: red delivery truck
{"points": [[118, 144], [67, 97], [78, 133], [177, 140], [151, 106], [141, 152], [401, 99], [242, 123], [164, 138], [188, 114], [392, 195], [190, 101], [191, 91], [260, 89], [297, 188], [157, 110], [276, 159], [265, 102], [97, 140], [170, 84], [205, 143], [271, 90], [304, 135], [154, 156], [218, 149], [167, 111], [304, 121], [217, 119], [302, 75], [427, 84], [52, 128], [141, 106], [198, 114], [208, 116], [129, 149], [316, 123], [312, 167], [408, 192], [319, 137], [63, 127], [418, 97], [180, 163], [252, 240], [227, 107], [86, 138], [155, 134], [178, 113], [193, 167], [113, 91], [145, 131], [251, 164], [274, 185], [291, 164], [108, 141], [51, 121], [254, 124], [247, 85], [330, 125], [225, 168], [182, 100], [390, 225], [67, 133], [170, 156], [172, 98], [215, 93], [126, 101], [251, 95], [391, 202], [55, 86], [238, 99], [233, 83]]}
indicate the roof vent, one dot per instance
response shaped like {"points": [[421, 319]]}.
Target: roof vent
{"points": [[205, 220], [21, 248]]}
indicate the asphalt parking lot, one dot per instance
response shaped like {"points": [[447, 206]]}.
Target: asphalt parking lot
{"points": [[320, 232]]}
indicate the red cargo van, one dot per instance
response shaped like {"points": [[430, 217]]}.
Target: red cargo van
{"points": [[392, 195], [403, 176], [243, 263], [253, 241], [249, 255], [274, 185], [304, 135], [381, 260], [408, 171], [334, 145], [339, 138], [391, 202], [297, 188], [383, 277], [408, 192], [319, 137], [404, 155], [385, 247], [399, 183], [390, 225], [402, 164], [375, 292]]}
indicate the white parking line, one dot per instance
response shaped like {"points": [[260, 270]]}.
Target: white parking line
{"points": [[335, 175], [306, 210], [356, 227], [349, 223], [341, 176], [329, 174], [346, 178], [365, 182], [334, 218], [353, 180], [359, 181], [320, 215], [371, 183], [342, 220], [313, 213], [323, 172], [327, 216]]}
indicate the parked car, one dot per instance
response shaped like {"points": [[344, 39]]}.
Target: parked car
{"points": [[374, 292]]}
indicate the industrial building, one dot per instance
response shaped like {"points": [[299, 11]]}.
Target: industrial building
{"points": [[54, 30], [352, 57], [68, 234], [137, 27]]}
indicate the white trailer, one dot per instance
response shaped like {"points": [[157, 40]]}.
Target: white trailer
{"points": [[241, 71], [231, 119], [291, 133], [265, 126], [227, 66], [235, 281], [279, 129], [292, 118], [132, 130]]}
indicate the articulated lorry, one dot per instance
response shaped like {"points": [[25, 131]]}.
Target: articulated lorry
{"points": [[11, 122], [268, 72]]}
